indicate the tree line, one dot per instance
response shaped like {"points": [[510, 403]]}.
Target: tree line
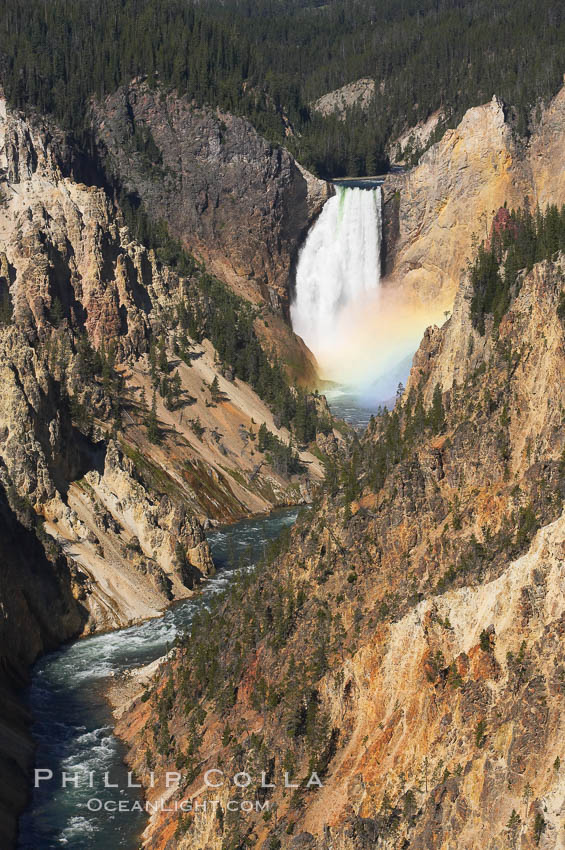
{"points": [[270, 59]]}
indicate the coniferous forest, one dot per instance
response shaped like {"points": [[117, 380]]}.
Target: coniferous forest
{"points": [[269, 59], [520, 239]]}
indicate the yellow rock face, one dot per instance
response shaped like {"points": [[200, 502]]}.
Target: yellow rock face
{"points": [[436, 213]]}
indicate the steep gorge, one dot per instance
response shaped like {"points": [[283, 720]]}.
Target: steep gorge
{"points": [[121, 435], [407, 644], [418, 561], [238, 202]]}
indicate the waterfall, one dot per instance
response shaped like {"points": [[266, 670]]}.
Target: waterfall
{"points": [[338, 266], [363, 335]]}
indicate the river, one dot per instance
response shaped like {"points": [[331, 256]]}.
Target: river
{"points": [[73, 721]]}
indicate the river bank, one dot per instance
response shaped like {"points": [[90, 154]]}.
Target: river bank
{"points": [[128, 686], [74, 722]]}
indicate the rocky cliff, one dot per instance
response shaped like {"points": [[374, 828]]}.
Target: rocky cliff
{"points": [[406, 645], [436, 212], [75, 283], [126, 427], [38, 589], [358, 94], [67, 271], [238, 202], [121, 435]]}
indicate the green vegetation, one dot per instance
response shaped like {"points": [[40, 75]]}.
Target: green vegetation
{"points": [[152, 423], [269, 59], [282, 458], [480, 733], [210, 310], [155, 235], [56, 313], [513, 827], [168, 386], [539, 827], [520, 239], [259, 608], [196, 427], [484, 640], [215, 391], [399, 432], [94, 369], [214, 312]]}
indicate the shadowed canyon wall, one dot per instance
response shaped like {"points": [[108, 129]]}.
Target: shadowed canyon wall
{"points": [[235, 200]]}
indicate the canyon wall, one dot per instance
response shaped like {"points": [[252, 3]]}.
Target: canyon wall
{"points": [[407, 645], [108, 489], [418, 559], [237, 201], [39, 609], [73, 282], [435, 213]]}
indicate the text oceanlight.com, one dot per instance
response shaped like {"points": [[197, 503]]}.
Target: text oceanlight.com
{"points": [[95, 804]]}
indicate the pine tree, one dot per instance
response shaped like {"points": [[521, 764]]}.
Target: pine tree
{"points": [[152, 423], [153, 364], [215, 391], [163, 363], [174, 389], [56, 313], [436, 416], [262, 437], [539, 827], [88, 362], [513, 827]]}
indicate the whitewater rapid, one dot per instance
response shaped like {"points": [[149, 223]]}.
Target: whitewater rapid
{"points": [[73, 722], [338, 266]]}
